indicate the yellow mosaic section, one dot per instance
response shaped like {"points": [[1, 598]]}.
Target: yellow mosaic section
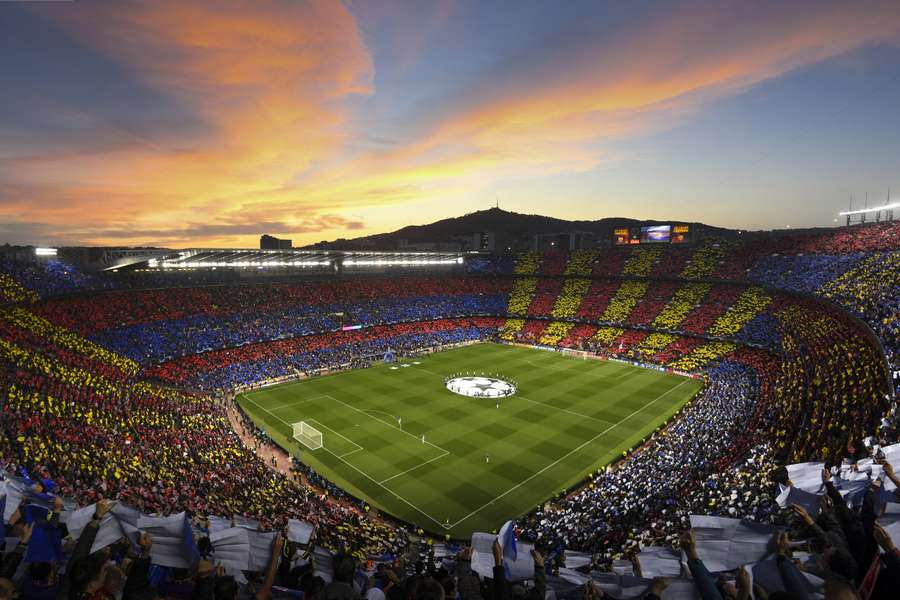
{"points": [[521, 295], [748, 305], [624, 301], [527, 263], [570, 298], [555, 331], [683, 302], [641, 261], [701, 355]]}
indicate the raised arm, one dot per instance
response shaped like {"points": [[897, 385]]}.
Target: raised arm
{"points": [[265, 592], [703, 579]]}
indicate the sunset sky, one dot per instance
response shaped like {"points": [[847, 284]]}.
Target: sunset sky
{"points": [[206, 123]]}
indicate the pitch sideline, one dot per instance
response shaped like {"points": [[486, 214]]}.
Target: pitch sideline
{"points": [[355, 468], [515, 487]]}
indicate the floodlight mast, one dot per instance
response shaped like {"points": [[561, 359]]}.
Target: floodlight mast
{"points": [[862, 214]]}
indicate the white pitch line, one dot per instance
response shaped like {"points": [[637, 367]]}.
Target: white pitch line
{"points": [[351, 452], [385, 488], [297, 403], [391, 425], [324, 426], [571, 452], [414, 468], [361, 472]]}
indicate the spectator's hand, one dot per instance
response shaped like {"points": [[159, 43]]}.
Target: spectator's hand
{"points": [[591, 591], [743, 584], [802, 514], [465, 553], [498, 553], [726, 588], [888, 469], [884, 540], [277, 544], [204, 569], [636, 566], [145, 542], [658, 586], [102, 508], [689, 544], [825, 504], [781, 543], [538, 559]]}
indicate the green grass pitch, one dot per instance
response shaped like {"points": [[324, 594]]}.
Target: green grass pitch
{"points": [[569, 417]]}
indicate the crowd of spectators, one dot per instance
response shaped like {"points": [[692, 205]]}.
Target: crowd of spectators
{"points": [[643, 500], [152, 326], [570, 298], [832, 383], [255, 363], [52, 277], [157, 450], [521, 295], [77, 417]]}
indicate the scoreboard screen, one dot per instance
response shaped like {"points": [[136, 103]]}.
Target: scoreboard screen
{"points": [[621, 236], [626, 236], [680, 234], [656, 234], [652, 234]]}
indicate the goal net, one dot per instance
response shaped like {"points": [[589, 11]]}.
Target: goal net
{"points": [[307, 435]]}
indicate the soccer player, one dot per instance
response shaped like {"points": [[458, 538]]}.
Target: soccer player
{"points": [[487, 457]]}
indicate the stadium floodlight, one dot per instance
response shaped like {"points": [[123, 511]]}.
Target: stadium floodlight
{"points": [[861, 211], [307, 435], [45, 251]]}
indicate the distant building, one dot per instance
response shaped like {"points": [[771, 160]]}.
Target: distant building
{"points": [[483, 241], [575, 240], [268, 242]]}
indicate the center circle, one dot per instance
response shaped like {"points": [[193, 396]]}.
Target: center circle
{"points": [[480, 386]]}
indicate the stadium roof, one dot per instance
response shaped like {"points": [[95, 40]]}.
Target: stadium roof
{"points": [[199, 258]]}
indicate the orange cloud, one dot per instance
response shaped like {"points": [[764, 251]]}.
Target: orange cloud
{"points": [[564, 115], [268, 82], [567, 114]]}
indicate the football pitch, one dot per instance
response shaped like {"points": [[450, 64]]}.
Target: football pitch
{"points": [[569, 417]]}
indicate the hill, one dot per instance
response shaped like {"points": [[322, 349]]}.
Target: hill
{"points": [[516, 228]]}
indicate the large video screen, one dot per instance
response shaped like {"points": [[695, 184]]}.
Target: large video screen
{"points": [[656, 234]]}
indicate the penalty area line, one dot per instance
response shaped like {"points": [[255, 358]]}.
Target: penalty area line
{"points": [[570, 453], [422, 464], [387, 489], [360, 471]]}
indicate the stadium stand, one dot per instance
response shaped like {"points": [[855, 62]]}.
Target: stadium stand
{"points": [[115, 392]]}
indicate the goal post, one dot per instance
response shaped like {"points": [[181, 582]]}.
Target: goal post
{"points": [[307, 435]]}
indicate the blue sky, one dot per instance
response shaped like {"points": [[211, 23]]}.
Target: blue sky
{"points": [[206, 123]]}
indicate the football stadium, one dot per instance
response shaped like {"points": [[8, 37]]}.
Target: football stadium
{"points": [[286, 314]]}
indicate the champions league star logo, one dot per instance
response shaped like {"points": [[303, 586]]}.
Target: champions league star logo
{"points": [[480, 386]]}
